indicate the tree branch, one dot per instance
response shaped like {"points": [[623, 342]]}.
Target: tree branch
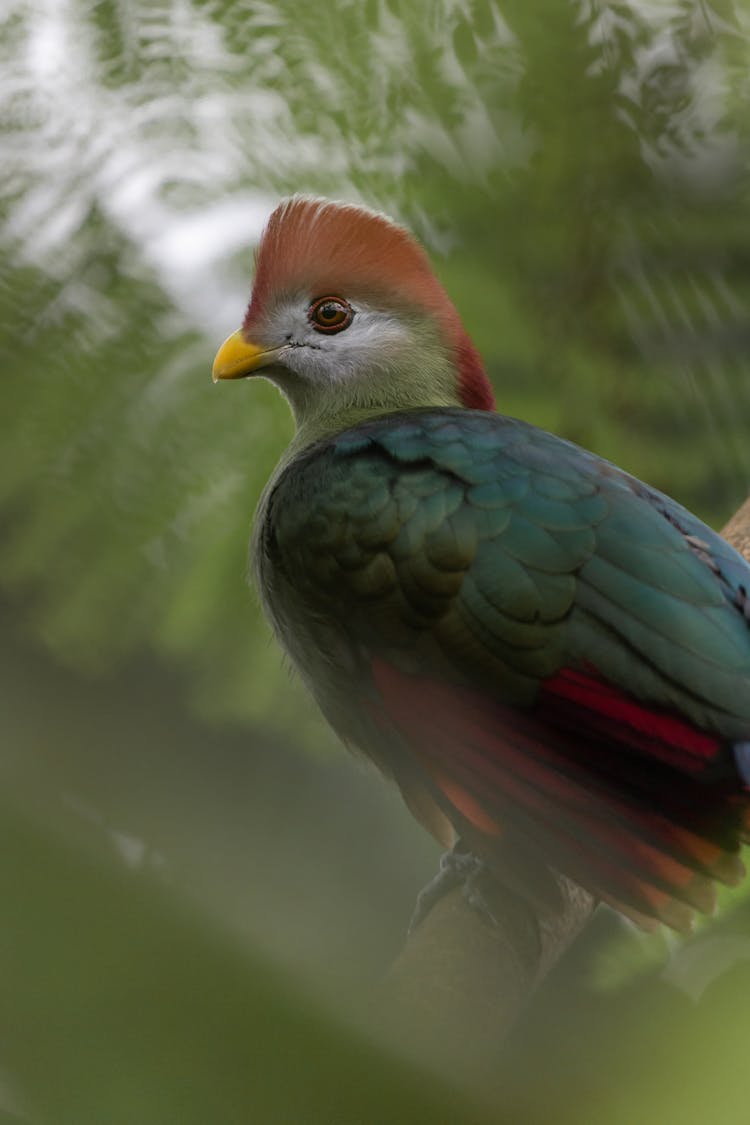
{"points": [[459, 983], [737, 530]]}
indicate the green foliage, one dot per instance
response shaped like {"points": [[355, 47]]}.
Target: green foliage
{"points": [[125, 1006], [578, 170]]}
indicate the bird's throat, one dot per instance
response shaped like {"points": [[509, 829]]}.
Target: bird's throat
{"points": [[315, 427]]}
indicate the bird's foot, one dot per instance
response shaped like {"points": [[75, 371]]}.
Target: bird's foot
{"points": [[457, 868]]}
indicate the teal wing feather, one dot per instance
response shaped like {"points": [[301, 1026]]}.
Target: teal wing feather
{"points": [[498, 554]]}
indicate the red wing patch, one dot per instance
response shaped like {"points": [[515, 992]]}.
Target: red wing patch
{"points": [[615, 798], [652, 732]]}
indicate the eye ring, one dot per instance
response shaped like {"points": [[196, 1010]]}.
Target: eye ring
{"points": [[330, 314]]}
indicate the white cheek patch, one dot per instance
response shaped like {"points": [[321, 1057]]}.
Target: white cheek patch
{"points": [[369, 344]]}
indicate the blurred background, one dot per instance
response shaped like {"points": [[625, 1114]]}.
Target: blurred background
{"points": [[196, 879]]}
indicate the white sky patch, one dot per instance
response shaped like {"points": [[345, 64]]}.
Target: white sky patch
{"points": [[92, 145], [194, 240], [189, 251]]}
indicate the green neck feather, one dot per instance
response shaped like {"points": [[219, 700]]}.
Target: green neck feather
{"points": [[419, 377]]}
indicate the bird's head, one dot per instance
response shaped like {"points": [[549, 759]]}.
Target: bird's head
{"points": [[348, 319]]}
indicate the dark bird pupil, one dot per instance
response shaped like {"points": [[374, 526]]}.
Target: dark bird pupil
{"points": [[329, 312]]}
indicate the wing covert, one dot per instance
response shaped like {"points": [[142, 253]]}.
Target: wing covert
{"points": [[502, 554]]}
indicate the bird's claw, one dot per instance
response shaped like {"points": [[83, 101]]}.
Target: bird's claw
{"points": [[457, 868]]}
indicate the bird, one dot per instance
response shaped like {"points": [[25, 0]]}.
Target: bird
{"points": [[550, 658]]}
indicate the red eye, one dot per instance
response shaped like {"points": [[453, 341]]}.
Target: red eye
{"points": [[330, 314]]}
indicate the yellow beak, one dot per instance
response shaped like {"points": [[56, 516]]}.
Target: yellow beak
{"points": [[236, 358]]}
